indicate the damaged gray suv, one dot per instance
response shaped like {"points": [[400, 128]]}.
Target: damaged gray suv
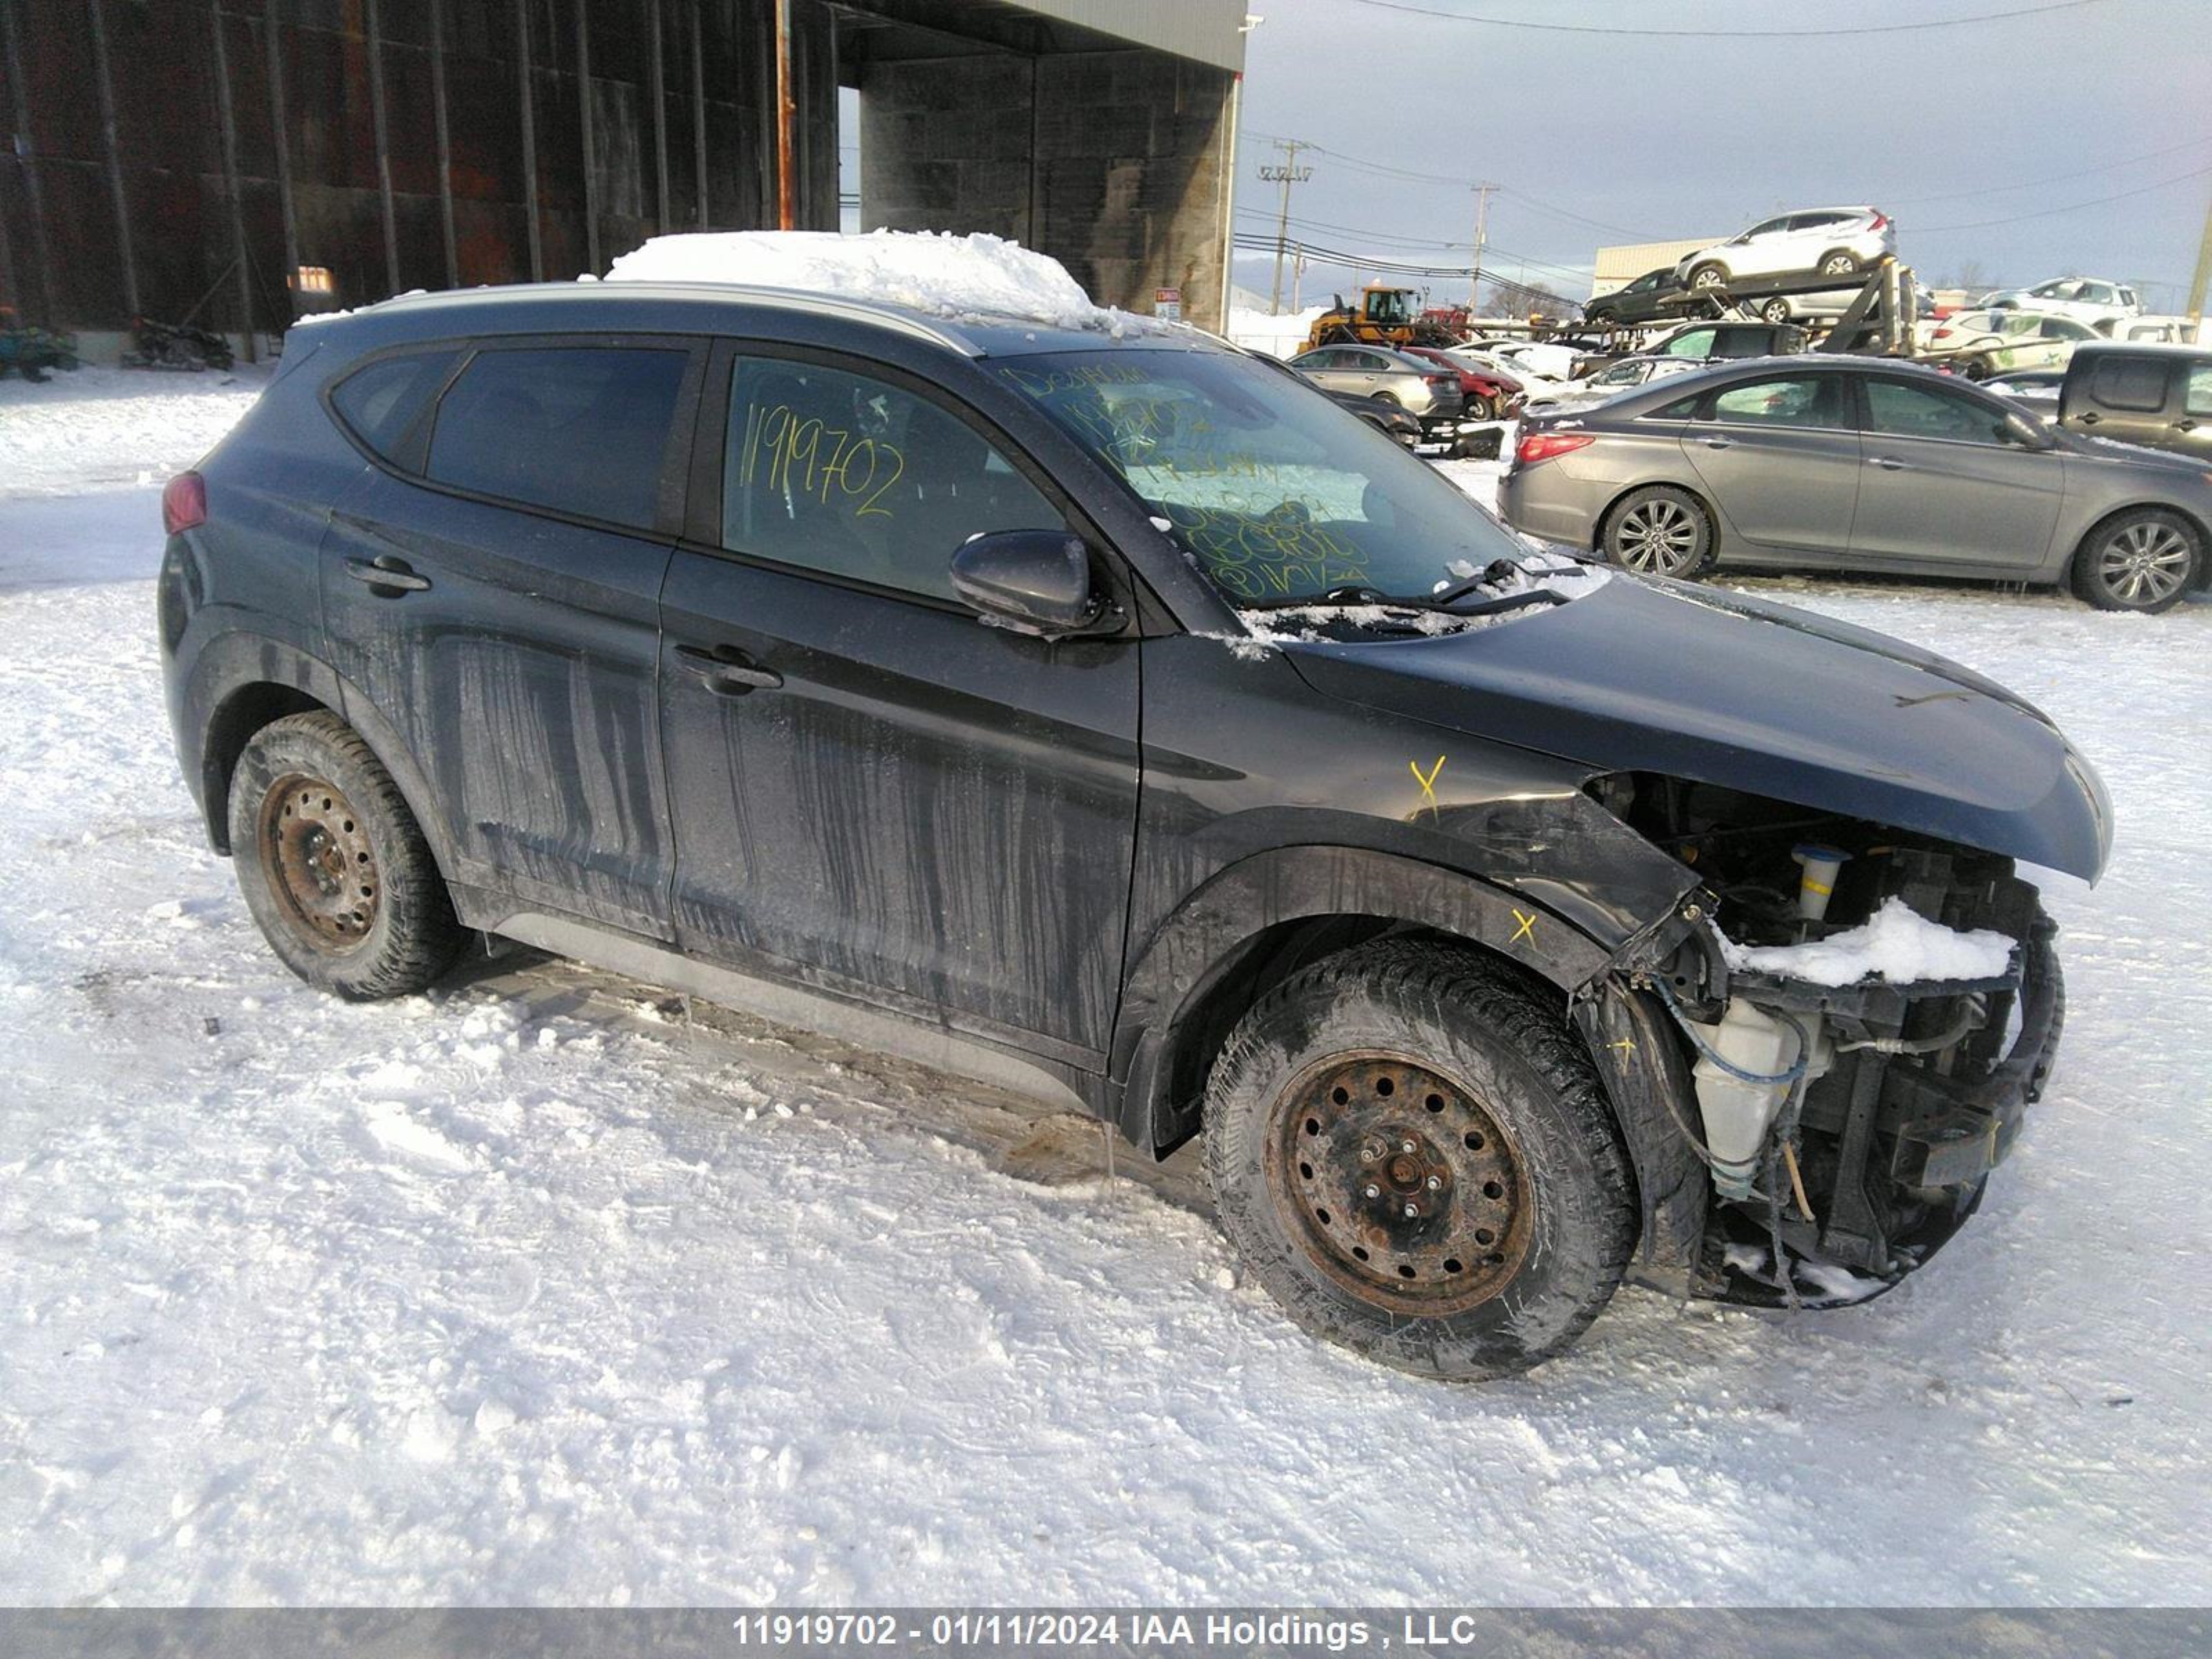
{"points": [[1107, 717]]}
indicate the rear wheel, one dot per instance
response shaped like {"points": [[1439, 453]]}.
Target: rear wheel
{"points": [[2143, 561], [1841, 262], [333, 866], [1659, 530], [1775, 310], [1410, 1150]]}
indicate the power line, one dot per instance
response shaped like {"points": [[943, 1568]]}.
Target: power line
{"points": [[1729, 34], [2050, 178], [2068, 207]]}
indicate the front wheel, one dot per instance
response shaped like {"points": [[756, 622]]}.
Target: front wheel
{"points": [[333, 866], [1409, 1149], [1775, 310], [2143, 561], [1659, 530], [1712, 275]]}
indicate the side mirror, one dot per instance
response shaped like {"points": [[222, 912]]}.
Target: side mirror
{"points": [[2028, 434], [1035, 581]]}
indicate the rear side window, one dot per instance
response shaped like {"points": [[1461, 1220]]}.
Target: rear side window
{"points": [[2129, 383], [382, 402], [1814, 400], [581, 430]]}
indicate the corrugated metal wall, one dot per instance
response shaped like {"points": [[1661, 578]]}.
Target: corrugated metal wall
{"points": [[415, 143]]}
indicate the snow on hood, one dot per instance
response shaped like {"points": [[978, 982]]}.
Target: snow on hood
{"points": [[938, 272], [1898, 944]]}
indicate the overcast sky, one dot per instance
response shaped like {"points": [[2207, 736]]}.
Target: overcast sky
{"points": [[1945, 129]]}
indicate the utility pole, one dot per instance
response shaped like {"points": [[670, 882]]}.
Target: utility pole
{"points": [[1285, 173], [1481, 236], [2202, 279]]}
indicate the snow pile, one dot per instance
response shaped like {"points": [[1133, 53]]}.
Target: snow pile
{"points": [[940, 273], [1898, 945]]}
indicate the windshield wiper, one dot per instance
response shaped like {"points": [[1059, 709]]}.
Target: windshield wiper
{"points": [[1349, 593]]}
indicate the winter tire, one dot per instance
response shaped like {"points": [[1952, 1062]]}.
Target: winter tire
{"points": [[1409, 1150], [333, 866], [2143, 561], [1659, 530]]}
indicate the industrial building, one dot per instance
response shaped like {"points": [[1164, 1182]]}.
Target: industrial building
{"points": [[238, 163]]}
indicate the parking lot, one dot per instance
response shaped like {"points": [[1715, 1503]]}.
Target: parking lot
{"points": [[545, 1287]]}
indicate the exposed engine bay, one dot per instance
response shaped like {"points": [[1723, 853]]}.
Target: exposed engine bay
{"points": [[1850, 1102]]}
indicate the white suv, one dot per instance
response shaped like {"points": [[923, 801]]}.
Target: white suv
{"points": [[2085, 298], [1822, 241]]}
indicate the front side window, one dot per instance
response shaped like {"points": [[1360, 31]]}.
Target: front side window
{"points": [[581, 430], [1275, 493], [1898, 410], [1814, 400], [2129, 383], [841, 473], [2198, 398]]}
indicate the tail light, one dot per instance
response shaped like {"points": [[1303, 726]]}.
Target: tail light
{"points": [[184, 503], [1441, 380], [1542, 446], [1881, 222]]}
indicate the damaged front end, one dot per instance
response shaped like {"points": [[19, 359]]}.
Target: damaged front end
{"points": [[1847, 1101]]}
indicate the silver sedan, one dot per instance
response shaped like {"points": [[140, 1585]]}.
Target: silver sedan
{"points": [[1860, 464]]}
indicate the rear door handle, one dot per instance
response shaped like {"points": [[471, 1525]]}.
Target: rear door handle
{"points": [[387, 575], [1886, 463], [727, 670], [1717, 443], [2090, 418]]}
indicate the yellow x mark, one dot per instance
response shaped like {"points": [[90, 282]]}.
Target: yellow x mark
{"points": [[1527, 930], [1428, 785]]}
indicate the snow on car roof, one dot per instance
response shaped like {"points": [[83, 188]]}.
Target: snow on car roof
{"points": [[939, 274]]}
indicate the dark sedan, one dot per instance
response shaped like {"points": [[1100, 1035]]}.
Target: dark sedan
{"points": [[1840, 464]]}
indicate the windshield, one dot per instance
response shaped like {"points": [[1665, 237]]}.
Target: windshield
{"points": [[1277, 494]]}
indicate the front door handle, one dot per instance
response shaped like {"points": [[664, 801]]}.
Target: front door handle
{"points": [[388, 575], [1717, 443], [727, 670], [2091, 417], [2184, 426], [1886, 463]]}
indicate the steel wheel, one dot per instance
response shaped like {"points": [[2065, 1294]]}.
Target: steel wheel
{"points": [[2144, 564], [318, 849], [1658, 536], [1399, 1185]]}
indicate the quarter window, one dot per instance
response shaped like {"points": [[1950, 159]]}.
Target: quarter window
{"points": [[1899, 410], [843, 473], [581, 430], [2124, 383], [382, 402], [1814, 400]]}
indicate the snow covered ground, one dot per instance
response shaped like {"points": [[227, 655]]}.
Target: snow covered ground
{"points": [[535, 1289]]}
